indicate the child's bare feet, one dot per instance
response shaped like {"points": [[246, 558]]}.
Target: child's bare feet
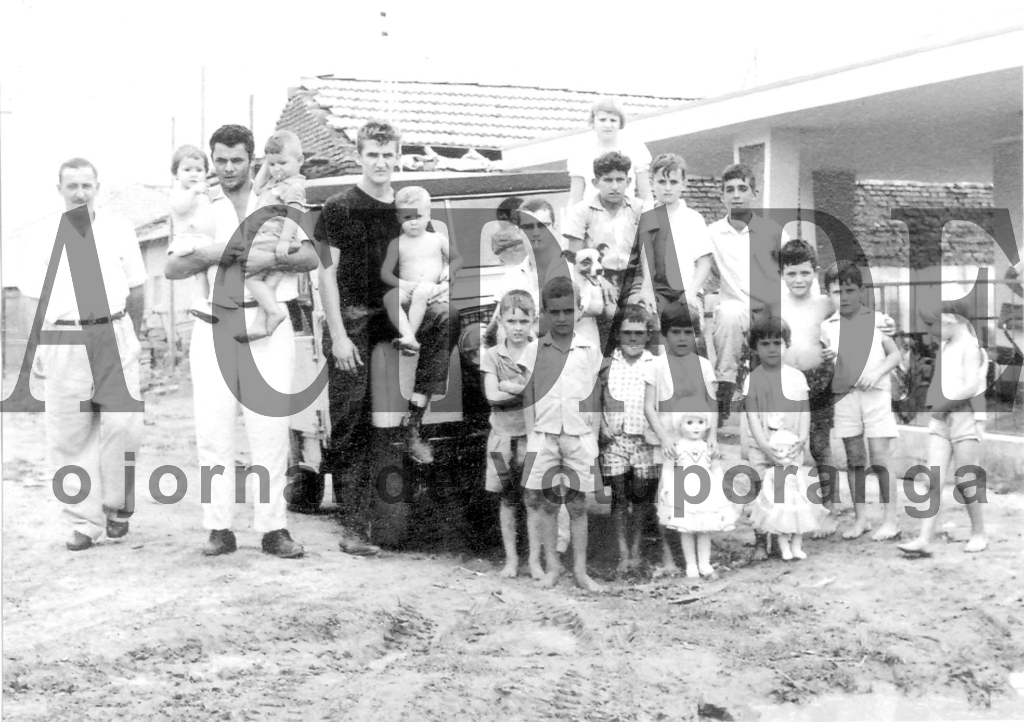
{"points": [[860, 526], [707, 571], [510, 570], [829, 525], [760, 553], [888, 531], [256, 331], [584, 582], [550, 579], [692, 573], [975, 544], [797, 554], [536, 571], [665, 570], [917, 548]]}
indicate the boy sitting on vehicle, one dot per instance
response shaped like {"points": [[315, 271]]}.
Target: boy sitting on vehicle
{"points": [[425, 262]]}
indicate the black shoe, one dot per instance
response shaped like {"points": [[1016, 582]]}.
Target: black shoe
{"points": [[78, 542], [222, 541], [280, 544], [352, 544], [116, 529]]}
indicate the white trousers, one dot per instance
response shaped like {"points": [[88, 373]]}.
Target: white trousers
{"points": [[216, 409], [95, 440]]}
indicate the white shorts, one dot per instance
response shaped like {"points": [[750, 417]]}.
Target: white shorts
{"points": [[561, 460], [866, 412]]}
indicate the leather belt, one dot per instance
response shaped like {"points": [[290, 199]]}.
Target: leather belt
{"points": [[241, 304], [89, 321]]}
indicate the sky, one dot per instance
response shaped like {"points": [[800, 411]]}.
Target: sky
{"points": [[106, 80]]}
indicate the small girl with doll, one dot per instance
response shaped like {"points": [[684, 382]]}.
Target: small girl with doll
{"points": [[783, 508], [697, 519], [777, 401]]}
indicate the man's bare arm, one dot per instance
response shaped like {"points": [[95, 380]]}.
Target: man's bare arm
{"points": [[185, 266], [135, 306]]}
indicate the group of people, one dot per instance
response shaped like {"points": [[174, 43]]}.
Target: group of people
{"points": [[630, 402]]}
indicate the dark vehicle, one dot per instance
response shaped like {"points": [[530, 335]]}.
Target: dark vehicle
{"points": [[449, 493]]}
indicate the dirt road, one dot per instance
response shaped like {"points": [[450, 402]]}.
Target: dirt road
{"points": [[147, 628]]}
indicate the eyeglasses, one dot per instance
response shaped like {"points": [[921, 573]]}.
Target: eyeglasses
{"points": [[538, 225]]}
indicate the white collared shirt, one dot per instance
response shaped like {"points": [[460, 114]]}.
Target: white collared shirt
{"points": [[565, 379], [732, 253], [226, 218], [121, 264]]}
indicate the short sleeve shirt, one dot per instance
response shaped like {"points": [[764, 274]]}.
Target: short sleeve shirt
{"points": [[561, 381], [590, 222], [745, 274], [360, 227], [846, 376], [227, 223], [509, 419], [121, 265], [623, 390]]}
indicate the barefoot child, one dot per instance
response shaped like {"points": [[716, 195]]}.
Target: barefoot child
{"points": [[776, 399], [863, 406], [783, 507], [956, 425], [506, 369], [628, 441], [562, 435], [694, 521], [192, 216], [804, 309], [425, 263], [277, 183], [683, 383]]}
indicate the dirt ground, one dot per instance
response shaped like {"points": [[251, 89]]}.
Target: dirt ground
{"points": [[147, 628]]}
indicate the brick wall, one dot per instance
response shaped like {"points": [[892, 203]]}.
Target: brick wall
{"points": [[887, 242]]}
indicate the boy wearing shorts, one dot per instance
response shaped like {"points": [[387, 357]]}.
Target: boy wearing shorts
{"points": [[863, 395], [562, 426], [506, 368], [628, 441], [955, 398]]}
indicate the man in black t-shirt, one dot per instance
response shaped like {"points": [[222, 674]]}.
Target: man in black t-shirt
{"points": [[359, 224]]}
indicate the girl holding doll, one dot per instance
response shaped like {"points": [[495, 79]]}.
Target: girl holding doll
{"points": [[778, 415]]}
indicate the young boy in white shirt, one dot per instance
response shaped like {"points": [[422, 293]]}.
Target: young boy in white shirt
{"points": [[862, 386]]}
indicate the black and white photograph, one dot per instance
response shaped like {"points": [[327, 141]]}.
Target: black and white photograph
{"points": [[462, 361]]}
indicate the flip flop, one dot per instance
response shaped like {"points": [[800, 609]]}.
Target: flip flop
{"points": [[915, 553]]}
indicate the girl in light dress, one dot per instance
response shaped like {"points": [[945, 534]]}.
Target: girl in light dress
{"points": [[694, 520], [787, 511]]}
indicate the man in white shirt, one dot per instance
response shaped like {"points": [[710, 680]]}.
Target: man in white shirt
{"points": [[220, 381], [83, 368]]}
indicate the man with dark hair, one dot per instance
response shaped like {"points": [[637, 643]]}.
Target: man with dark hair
{"points": [[79, 366], [359, 224], [216, 378]]}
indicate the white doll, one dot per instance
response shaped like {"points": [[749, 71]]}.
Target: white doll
{"points": [[694, 520], [787, 511]]}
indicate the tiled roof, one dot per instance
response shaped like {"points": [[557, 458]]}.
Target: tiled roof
{"points": [[326, 112]]}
